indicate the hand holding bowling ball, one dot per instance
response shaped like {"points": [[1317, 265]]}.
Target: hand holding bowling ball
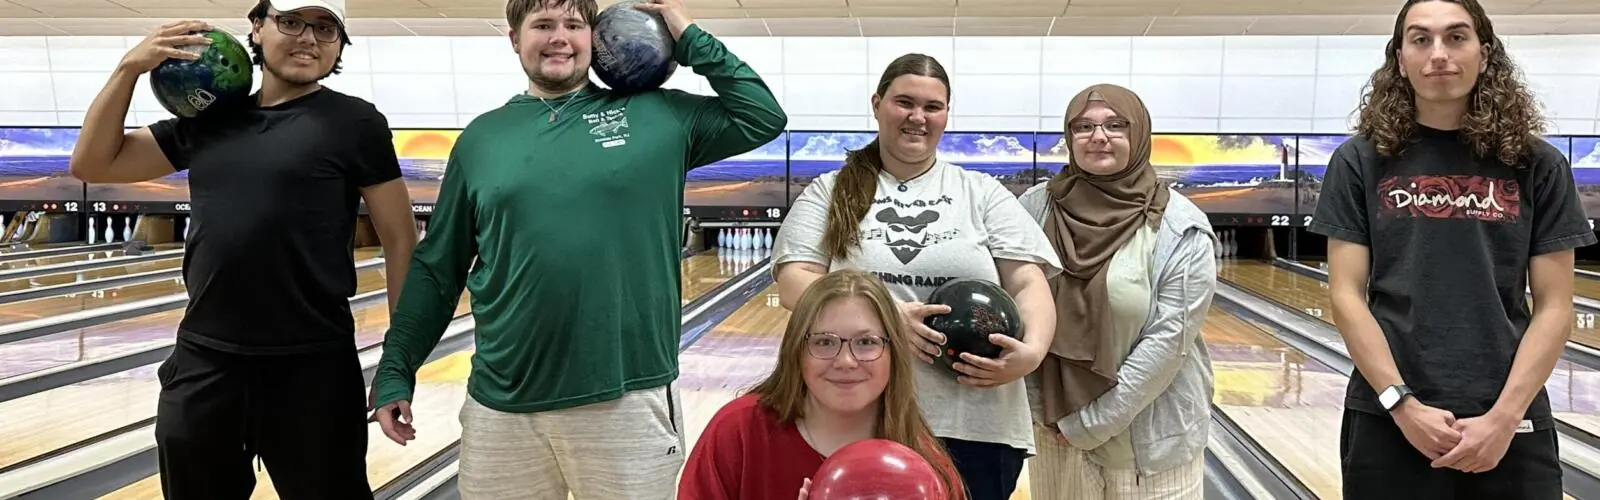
{"points": [[163, 44], [926, 340], [872, 469], [983, 333], [673, 12]]}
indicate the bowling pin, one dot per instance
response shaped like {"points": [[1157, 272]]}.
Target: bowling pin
{"points": [[127, 230], [92, 235], [111, 235], [769, 238]]}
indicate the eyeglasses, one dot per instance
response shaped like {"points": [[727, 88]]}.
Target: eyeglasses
{"points": [[828, 346], [1113, 128], [294, 26]]}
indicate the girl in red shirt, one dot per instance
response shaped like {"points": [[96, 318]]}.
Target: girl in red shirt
{"points": [[838, 380]]}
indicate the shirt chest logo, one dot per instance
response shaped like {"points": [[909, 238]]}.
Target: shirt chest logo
{"points": [[609, 127], [1450, 197]]}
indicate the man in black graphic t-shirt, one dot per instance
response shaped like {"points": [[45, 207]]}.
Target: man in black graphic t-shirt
{"points": [[265, 364], [1453, 215]]}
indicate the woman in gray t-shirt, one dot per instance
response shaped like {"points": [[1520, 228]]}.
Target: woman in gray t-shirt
{"points": [[915, 221]]}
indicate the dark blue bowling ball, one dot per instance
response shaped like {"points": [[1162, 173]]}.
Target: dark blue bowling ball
{"points": [[978, 308], [632, 48]]}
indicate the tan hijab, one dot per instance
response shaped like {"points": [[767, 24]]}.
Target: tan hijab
{"points": [[1090, 217]]}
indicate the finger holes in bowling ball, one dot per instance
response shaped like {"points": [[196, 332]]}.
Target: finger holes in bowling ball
{"points": [[978, 308], [188, 88]]}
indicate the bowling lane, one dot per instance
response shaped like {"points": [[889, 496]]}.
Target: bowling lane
{"points": [[1288, 402], [700, 273], [43, 422], [63, 278], [707, 270], [735, 355], [1585, 332], [78, 257], [114, 338], [28, 310], [1573, 388], [40, 246]]}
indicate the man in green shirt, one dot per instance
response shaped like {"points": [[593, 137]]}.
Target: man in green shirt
{"points": [[559, 213]]}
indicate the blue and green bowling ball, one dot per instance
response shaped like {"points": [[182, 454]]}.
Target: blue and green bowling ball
{"points": [[632, 48], [222, 75]]}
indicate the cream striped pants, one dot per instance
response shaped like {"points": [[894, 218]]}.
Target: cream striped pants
{"points": [[1061, 472]]}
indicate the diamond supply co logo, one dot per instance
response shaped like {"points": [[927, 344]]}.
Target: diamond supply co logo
{"points": [[1451, 197]]}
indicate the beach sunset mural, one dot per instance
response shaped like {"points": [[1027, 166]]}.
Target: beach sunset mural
{"points": [[423, 156], [1223, 174]]}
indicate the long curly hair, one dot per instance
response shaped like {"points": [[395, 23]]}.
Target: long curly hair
{"points": [[1502, 119]]}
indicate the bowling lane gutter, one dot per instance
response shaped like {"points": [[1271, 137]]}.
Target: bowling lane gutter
{"points": [[116, 459], [25, 330], [1323, 343], [1575, 352], [435, 478], [29, 272], [51, 252]]}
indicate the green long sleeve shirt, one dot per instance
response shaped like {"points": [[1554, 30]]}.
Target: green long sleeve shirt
{"points": [[574, 227]]}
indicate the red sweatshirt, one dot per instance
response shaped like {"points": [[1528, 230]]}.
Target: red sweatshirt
{"points": [[746, 454]]}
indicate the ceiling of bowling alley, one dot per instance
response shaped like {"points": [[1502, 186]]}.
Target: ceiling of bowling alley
{"points": [[838, 17]]}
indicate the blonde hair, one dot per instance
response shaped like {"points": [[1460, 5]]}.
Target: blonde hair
{"points": [[899, 419]]}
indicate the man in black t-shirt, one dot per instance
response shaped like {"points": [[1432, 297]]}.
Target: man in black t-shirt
{"points": [[1442, 213], [265, 363]]}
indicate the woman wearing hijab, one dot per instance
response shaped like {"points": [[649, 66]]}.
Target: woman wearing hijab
{"points": [[1122, 400]]}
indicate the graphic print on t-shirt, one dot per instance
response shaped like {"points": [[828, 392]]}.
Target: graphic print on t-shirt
{"points": [[1451, 197], [907, 227]]}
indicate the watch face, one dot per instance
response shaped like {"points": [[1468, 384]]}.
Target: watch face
{"points": [[1389, 397]]}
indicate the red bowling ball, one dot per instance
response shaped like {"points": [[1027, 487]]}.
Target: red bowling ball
{"points": [[876, 469]]}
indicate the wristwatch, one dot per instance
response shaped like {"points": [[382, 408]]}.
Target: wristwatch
{"points": [[1392, 396]]}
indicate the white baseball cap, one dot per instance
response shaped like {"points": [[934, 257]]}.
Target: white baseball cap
{"points": [[335, 7]]}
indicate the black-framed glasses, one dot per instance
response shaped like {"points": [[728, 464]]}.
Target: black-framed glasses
{"points": [[1115, 127], [294, 26], [828, 346]]}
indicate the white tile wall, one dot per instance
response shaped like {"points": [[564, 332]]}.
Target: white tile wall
{"points": [[1281, 84]]}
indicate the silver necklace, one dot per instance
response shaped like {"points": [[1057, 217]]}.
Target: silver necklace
{"points": [[554, 111]]}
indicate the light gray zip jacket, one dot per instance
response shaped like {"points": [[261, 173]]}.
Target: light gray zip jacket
{"points": [[1163, 390]]}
